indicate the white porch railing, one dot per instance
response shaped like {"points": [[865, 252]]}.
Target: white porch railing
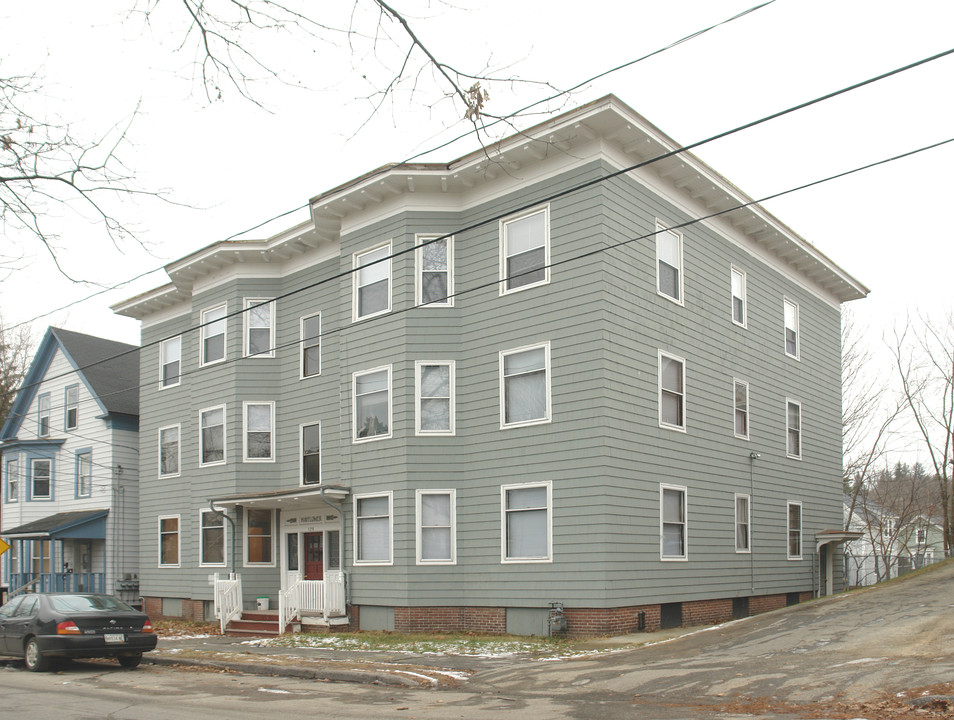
{"points": [[228, 598], [314, 596]]}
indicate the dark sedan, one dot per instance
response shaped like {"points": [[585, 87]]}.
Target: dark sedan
{"points": [[41, 626]]}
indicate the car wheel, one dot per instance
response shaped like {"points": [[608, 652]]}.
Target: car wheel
{"points": [[130, 661], [34, 658]]}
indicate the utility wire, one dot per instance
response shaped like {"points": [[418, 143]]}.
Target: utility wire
{"points": [[494, 122], [574, 258]]}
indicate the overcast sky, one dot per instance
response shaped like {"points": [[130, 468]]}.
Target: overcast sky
{"points": [[231, 165]]}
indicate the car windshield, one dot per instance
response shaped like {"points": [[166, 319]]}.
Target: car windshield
{"points": [[88, 603]]}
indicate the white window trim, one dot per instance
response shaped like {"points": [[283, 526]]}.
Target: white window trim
{"points": [[225, 454], [354, 405], [178, 561], [204, 329], [271, 409], [354, 513], [419, 271], [274, 553], [545, 209], [67, 406], [548, 369], [247, 304], [225, 540], [748, 416], [354, 283], [78, 482], [32, 465], [39, 414], [301, 346], [301, 455], [162, 364], [801, 433], [661, 228], [798, 330], [685, 392], [788, 529], [748, 522], [744, 296], [452, 429], [178, 451], [503, 524], [685, 524], [15, 462], [418, 514]]}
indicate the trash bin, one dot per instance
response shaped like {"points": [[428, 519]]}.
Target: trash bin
{"points": [[262, 603]]}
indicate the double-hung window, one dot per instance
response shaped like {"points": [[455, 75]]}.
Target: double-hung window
{"points": [[311, 345], [259, 537], [792, 343], [311, 454], [436, 527], [741, 401], [169, 541], [84, 474], [526, 521], [672, 391], [259, 328], [743, 524], [372, 282], [43, 415], [41, 479], [211, 538], [738, 297], [372, 529], [169, 451], [669, 263], [372, 404], [794, 531], [259, 435], [525, 386], [793, 419], [170, 360], [672, 520], [212, 436], [12, 476], [213, 323], [525, 250], [72, 407], [435, 271], [434, 385]]}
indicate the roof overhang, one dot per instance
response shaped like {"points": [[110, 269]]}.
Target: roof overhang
{"points": [[296, 499], [835, 537], [80, 525]]}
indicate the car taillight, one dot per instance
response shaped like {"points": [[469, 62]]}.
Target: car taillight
{"points": [[67, 628], [147, 627]]}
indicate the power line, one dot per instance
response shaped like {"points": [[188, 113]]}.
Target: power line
{"points": [[574, 258], [495, 121], [549, 198]]}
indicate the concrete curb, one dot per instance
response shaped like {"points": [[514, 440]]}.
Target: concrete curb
{"points": [[292, 671]]}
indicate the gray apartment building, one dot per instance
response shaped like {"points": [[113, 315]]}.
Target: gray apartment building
{"points": [[555, 370]]}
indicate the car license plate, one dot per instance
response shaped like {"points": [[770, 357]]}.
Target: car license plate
{"points": [[114, 637]]}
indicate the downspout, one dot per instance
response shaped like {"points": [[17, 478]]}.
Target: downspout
{"points": [[224, 514], [753, 456]]}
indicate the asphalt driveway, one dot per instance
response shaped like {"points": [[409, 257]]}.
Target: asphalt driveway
{"points": [[891, 641]]}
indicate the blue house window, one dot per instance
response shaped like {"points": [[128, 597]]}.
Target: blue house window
{"points": [[84, 474], [43, 415], [41, 479], [72, 407]]}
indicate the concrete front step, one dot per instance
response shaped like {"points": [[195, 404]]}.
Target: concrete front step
{"points": [[252, 624]]}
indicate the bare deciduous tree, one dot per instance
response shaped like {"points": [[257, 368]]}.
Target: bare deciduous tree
{"points": [[868, 414], [16, 352], [924, 360]]}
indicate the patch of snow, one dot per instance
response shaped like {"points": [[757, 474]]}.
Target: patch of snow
{"points": [[277, 691], [860, 661], [414, 674]]}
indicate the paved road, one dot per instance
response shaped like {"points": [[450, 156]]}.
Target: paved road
{"points": [[835, 658]]}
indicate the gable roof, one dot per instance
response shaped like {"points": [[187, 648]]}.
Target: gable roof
{"points": [[109, 370]]}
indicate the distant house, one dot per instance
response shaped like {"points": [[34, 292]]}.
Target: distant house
{"points": [[69, 454], [889, 545], [463, 391]]}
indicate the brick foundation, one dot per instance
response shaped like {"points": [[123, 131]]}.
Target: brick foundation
{"points": [[450, 619], [192, 610]]}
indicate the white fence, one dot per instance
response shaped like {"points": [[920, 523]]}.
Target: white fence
{"points": [[228, 598]]}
